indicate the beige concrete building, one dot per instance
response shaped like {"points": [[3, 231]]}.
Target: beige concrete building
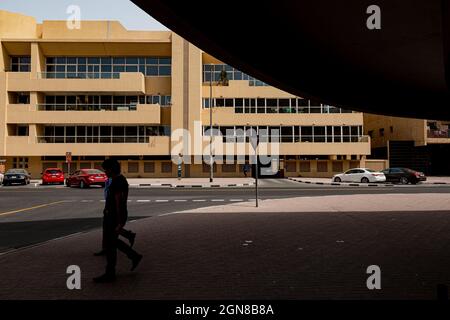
{"points": [[419, 144], [103, 91]]}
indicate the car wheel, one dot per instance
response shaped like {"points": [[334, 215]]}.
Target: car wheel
{"points": [[67, 183], [337, 179], [404, 180], [82, 184], [365, 180]]}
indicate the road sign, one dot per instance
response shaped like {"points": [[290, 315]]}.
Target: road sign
{"points": [[68, 157]]}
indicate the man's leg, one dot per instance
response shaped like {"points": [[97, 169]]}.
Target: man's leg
{"points": [[111, 254], [129, 252], [103, 251], [127, 234]]}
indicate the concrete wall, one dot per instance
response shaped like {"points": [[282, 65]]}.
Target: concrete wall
{"points": [[400, 129]]}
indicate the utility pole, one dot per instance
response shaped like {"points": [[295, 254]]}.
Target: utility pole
{"points": [[211, 162], [254, 141]]}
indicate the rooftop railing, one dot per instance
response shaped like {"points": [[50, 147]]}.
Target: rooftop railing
{"points": [[79, 75], [442, 134], [93, 139], [87, 107], [299, 139]]}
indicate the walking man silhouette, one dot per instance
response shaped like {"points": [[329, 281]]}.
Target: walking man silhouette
{"points": [[131, 236], [115, 218]]}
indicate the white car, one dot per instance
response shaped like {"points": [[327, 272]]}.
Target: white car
{"points": [[360, 175]]}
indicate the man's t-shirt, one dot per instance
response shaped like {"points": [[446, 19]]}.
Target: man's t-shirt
{"points": [[118, 184]]}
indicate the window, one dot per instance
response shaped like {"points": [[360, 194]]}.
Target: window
{"points": [[108, 134], [305, 166], [106, 67], [133, 167], [338, 166], [306, 134], [215, 71], [291, 166], [319, 134], [23, 98], [322, 166], [166, 167], [382, 132], [21, 64], [149, 167], [22, 131], [272, 105]]}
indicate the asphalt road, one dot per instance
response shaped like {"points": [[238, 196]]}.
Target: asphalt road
{"points": [[30, 215]]}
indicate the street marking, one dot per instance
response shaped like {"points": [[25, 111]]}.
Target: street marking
{"points": [[162, 201], [87, 200], [180, 200], [199, 200], [31, 208], [143, 201], [168, 214], [236, 200], [217, 200]]}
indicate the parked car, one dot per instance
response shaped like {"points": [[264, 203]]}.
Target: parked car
{"points": [[404, 176], [86, 177], [1, 177], [360, 175], [53, 176], [16, 176]]}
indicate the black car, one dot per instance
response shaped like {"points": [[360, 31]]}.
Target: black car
{"points": [[404, 175], [16, 176]]}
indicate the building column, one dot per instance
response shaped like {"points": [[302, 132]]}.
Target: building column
{"points": [[37, 61]]}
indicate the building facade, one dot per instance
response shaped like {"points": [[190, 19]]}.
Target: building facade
{"points": [[144, 98], [418, 144]]}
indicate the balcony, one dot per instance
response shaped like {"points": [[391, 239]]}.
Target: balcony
{"points": [[348, 145], [85, 114], [438, 136], [58, 146], [242, 88], [438, 132], [126, 83], [228, 117]]}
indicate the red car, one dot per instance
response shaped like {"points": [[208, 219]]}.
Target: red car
{"points": [[86, 177], [53, 175]]}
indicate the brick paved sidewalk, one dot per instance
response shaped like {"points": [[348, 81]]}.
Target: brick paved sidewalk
{"points": [[249, 256]]}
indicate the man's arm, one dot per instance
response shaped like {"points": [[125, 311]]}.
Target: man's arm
{"points": [[118, 197]]}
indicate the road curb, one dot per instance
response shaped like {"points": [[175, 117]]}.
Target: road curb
{"points": [[191, 186], [343, 184]]}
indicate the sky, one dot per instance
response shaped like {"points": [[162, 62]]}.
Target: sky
{"points": [[125, 11]]}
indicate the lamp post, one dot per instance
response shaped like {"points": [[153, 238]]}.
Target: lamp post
{"points": [[211, 163]]}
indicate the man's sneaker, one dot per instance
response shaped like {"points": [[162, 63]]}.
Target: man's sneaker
{"points": [[132, 238], [107, 277], [100, 253], [136, 261]]}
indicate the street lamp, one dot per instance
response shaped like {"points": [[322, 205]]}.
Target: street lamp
{"points": [[223, 80]]}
